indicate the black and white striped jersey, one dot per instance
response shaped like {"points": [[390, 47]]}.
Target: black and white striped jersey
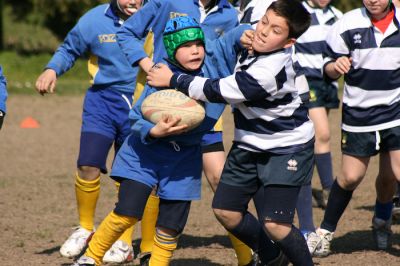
{"points": [[372, 86], [269, 113], [311, 45], [254, 11]]}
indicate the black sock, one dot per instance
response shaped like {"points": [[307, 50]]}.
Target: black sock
{"points": [[258, 200], [295, 248], [323, 161], [304, 209], [337, 203], [250, 232]]}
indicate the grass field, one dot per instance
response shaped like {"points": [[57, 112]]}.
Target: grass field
{"points": [[38, 208], [37, 186], [22, 71]]}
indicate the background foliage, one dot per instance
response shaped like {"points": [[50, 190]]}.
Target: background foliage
{"points": [[34, 26], [32, 31]]}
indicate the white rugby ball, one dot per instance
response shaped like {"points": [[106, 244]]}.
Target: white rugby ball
{"points": [[174, 103]]}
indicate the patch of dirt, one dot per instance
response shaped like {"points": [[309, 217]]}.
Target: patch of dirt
{"points": [[38, 209]]}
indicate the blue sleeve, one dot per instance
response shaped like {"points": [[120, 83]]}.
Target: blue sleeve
{"points": [[3, 91], [140, 126], [73, 47], [134, 30], [221, 53]]}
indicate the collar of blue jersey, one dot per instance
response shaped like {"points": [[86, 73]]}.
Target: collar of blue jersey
{"points": [[178, 69], [112, 13], [221, 3]]}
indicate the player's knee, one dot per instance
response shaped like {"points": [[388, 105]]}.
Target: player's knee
{"points": [[349, 181], [323, 138], [276, 230], [88, 172], [168, 231], [213, 180], [228, 219]]}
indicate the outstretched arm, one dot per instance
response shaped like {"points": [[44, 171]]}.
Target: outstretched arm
{"points": [[73, 47], [46, 82], [3, 97], [239, 87], [134, 30]]}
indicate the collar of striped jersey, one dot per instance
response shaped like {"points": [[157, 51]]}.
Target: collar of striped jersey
{"points": [[326, 9], [389, 7], [257, 54], [245, 54]]}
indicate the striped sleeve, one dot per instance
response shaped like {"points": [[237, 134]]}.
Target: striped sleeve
{"points": [[250, 85], [337, 46]]}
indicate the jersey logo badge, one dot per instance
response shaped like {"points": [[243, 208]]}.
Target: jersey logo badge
{"points": [[107, 38], [176, 14], [357, 38], [292, 165]]}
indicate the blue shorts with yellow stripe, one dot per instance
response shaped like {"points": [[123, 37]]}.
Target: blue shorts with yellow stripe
{"points": [[104, 121]]}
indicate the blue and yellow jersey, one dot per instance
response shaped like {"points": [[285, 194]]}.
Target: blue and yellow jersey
{"points": [[3, 91], [220, 58], [95, 34], [154, 16]]}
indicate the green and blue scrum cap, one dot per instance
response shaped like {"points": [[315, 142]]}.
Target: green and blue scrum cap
{"points": [[178, 31]]}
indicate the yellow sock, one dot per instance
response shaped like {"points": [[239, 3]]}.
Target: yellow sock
{"points": [[164, 246], [148, 224], [87, 193], [107, 233], [243, 252], [127, 235]]}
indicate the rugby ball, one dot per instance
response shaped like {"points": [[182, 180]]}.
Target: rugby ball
{"points": [[174, 103]]}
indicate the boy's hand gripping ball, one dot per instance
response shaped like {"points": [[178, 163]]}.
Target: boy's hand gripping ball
{"points": [[174, 103]]}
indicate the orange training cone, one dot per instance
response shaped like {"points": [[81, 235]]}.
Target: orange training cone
{"points": [[29, 122]]}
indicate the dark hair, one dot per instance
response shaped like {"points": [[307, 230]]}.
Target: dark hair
{"points": [[297, 17]]}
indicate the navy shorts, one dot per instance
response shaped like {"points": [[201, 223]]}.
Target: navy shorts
{"points": [[278, 201], [132, 199], [281, 175], [247, 168], [104, 121], [367, 144], [323, 94]]}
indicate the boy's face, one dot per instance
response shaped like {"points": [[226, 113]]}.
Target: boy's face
{"points": [[376, 7], [190, 55], [320, 3], [271, 33], [129, 7]]}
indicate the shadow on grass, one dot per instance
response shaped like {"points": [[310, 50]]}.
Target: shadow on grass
{"points": [[193, 262], [370, 208], [188, 241], [360, 241], [49, 251]]}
